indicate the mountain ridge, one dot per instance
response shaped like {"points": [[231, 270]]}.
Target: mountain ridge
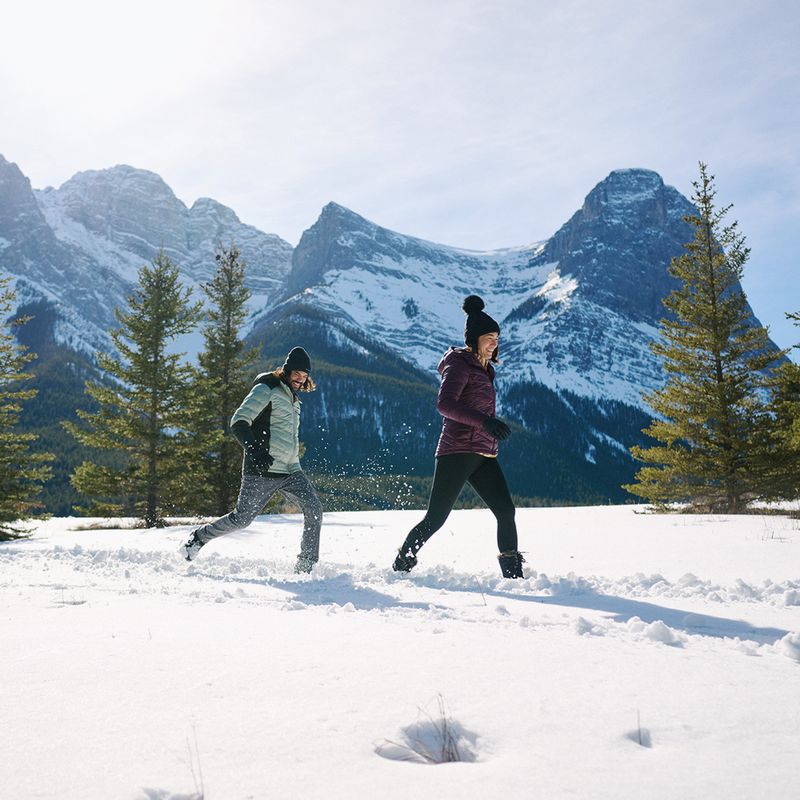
{"points": [[376, 308]]}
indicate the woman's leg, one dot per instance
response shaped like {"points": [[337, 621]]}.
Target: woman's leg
{"points": [[253, 496], [449, 477], [490, 484], [299, 489]]}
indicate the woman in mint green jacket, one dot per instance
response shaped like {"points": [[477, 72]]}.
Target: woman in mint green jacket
{"points": [[267, 425]]}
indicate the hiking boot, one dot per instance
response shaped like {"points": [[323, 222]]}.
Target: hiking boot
{"points": [[404, 562], [191, 548], [511, 564]]}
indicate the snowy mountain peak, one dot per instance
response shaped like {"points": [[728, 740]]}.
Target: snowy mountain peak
{"points": [[632, 181], [18, 209], [111, 184], [336, 209], [577, 312], [334, 219], [133, 208], [619, 243], [79, 247], [8, 167], [210, 208], [626, 196], [325, 245]]}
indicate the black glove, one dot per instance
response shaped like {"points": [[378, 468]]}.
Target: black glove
{"points": [[244, 435], [260, 458], [497, 428]]}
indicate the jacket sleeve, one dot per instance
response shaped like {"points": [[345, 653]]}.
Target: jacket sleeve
{"points": [[254, 404], [448, 402]]}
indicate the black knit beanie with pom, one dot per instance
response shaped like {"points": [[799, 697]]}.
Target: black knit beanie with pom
{"points": [[478, 322]]}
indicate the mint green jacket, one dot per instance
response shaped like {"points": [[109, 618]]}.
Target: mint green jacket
{"points": [[272, 411]]}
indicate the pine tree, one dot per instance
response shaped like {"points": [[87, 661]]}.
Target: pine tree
{"points": [[712, 419], [142, 417], [783, 465], [21, 472], [222, 382]]}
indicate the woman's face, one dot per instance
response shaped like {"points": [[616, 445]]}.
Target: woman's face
{"points": [[297, 378], [487, 345]]}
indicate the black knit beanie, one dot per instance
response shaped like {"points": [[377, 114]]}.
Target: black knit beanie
{"points": [[478, 322], [297, 360]]}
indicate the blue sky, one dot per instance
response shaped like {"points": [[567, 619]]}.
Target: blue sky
{"points": [[472, 123]]}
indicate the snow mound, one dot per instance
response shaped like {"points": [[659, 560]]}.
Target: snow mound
{"points": [[583, 627], [656, 631], [790, 646]]}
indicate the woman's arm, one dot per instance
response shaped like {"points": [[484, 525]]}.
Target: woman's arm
{"points": [[454, 378], [252, 406]]}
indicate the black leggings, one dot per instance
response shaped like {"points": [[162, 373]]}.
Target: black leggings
{"points": [[486, 478]]}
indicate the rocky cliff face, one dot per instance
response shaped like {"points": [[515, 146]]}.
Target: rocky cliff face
{"points": [[402, 292], [588, 329], [80, 246], [578, 311], [83, 291], [618, 244], [133, 209], [133, 212], [377, 309]]}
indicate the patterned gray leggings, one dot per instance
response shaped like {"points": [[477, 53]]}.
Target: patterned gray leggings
{"points": [[253, 496]]}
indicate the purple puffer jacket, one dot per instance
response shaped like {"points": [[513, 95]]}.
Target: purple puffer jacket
{"points": [[466, 399]]}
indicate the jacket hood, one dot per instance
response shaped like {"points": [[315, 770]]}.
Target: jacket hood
{"points": [[454, 353]]}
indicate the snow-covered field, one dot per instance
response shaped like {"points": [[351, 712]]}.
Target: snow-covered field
{"points": [[645, 657]]}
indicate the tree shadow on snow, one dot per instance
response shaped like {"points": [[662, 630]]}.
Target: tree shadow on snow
{"points": [[623, 609]]}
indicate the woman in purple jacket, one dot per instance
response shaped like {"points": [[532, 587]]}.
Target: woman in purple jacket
{"points": [[467, 449]]}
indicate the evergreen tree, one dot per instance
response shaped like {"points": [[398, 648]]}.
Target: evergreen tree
{"points": [[142, 417], [713, 423], [223, 379], [21, 472], [783, 465]]}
